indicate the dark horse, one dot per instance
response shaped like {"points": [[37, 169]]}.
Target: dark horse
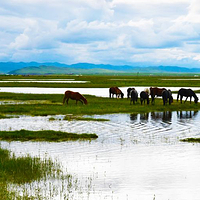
{"points": [[167, 97], [74, 96], [117, 91], [134, 96], [144, 96], [155, 92], [129, 92], [187, 93]]}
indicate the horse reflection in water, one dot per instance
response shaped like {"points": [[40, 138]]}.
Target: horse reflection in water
{"points": [[74, 96], [140, 117], [186, 114], [165, 117]]}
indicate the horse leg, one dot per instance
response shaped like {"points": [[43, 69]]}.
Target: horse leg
{"points": [[177, 96], [169, 101], [152, 99], [163, 101], [181, 97], [186, 99], [67, 100], [64, 99]]}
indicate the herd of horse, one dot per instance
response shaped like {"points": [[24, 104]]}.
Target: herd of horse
{"points": [[166, 95]]}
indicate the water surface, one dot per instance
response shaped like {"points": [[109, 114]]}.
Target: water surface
{"points": [[135, 157]]}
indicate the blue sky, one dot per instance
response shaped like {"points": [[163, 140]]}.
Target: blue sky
{"points": [[118, 32]]}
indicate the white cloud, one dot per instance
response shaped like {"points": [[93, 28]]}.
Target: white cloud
{"points": [[101, 31]]}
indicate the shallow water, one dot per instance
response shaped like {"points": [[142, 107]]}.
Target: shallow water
{"points": [[135, 157], [100, 92]]}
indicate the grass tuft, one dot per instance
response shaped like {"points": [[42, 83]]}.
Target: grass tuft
{"points": [[49, 135], [197, 140]]}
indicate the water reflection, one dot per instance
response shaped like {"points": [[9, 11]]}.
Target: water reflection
{"points": [[186, 114], [137, 156], [165, 116]]}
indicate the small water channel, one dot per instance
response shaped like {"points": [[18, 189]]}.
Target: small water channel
{"points": [[135, 157]]}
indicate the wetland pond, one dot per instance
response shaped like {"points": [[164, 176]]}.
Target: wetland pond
{"points": [[136, 157]]}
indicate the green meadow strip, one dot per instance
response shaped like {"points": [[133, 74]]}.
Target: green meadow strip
{"points": [[96, 105], [106, 81], [49, 135]]}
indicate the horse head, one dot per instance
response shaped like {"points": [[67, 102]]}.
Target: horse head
{"points": [[196, 99], [84, 100]]}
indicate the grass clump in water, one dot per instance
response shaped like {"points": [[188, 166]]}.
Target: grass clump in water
{"points": [[71, 117], [191, 140], [49, 135], [21, 170]]}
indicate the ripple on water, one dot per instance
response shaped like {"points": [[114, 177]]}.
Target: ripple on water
{"points": [[135, 156]]}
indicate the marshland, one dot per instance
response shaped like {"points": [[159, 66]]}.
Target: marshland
{"points": [[127, 151]]}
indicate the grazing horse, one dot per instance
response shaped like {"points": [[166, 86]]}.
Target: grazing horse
{"points": [[117, 91], [144, 96], [134, 96], [187, 93], [167, 96], [129, 92], [74, 96], [155, 92]]}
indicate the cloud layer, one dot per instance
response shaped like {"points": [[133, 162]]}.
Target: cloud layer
{"points": [[136, 32]]}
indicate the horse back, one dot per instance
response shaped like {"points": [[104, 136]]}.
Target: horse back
{"points": [[156, 91], [73, 95], [115, 90]]}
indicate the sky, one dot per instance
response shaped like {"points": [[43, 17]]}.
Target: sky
{"points": [[117, 32]]}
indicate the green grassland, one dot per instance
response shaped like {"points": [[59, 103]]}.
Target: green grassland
{"points": [[96, 105], [106, 81], [50, 136], [14, 170]]}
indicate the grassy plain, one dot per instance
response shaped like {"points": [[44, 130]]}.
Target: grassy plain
{"points": [[96, 105], [51, 104], [106, 81]]}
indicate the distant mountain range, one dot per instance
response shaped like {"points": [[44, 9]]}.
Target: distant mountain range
{"points": [[34, 68]]}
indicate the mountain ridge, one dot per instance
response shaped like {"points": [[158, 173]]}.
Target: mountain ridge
{"points": [[25, 68]]}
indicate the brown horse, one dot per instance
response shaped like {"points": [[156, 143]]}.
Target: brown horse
{"points": [[155, 92], [74, 96], [117, 91]]}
